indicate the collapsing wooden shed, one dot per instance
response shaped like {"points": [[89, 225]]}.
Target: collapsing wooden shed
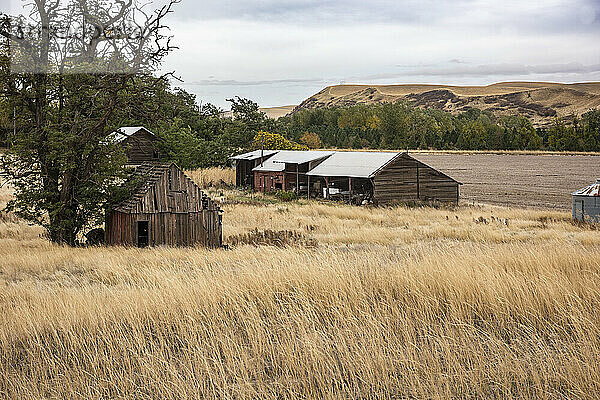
{"points": [[166, 208]]}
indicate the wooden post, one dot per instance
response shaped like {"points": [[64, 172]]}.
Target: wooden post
{"points": [[327, 188], [297, 181], [308, 187], [350, 190], [418, 184]]}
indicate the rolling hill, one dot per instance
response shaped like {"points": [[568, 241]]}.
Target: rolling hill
{"points": [[540, 101]]}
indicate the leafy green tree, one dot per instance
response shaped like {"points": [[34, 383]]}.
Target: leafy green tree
{"points": [[472, 136], [62, 162]]}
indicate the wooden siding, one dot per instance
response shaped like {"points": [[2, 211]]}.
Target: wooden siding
{"points": [[166, 229], [177, 211], [266, 181], [140, 147], [174, 192], [406, 179]]}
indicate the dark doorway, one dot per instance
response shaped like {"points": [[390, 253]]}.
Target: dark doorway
{"points": [[142, 233]]}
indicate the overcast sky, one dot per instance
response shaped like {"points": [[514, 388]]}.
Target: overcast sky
{"points": [[279, 52]]}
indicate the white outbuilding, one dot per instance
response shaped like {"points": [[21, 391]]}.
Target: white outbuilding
{"points": [[586, 203]]}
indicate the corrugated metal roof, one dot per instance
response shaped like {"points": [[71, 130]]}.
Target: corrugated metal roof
{"points": [[593, 190], [300, 157], [270, 166], [277, 162], [356, 164], [253, 155], [126, 131]]}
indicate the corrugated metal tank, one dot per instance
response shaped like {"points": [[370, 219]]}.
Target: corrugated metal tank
{"points": [[586, 203]]}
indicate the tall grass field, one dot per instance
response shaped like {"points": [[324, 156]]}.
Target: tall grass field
{"points": [[311, 300]]}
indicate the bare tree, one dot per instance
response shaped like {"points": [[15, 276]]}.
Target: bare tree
{"points": [[68, 66]]}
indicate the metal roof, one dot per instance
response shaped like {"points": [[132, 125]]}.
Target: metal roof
{"points": [[355, 164], [277, 162], [593, 190], [126, 131], [270, 166], [254, 155], [300, 157]]}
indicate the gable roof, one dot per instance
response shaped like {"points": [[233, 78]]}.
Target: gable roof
{"points": [[148, 174], [355, 164], [405, 154], [127, 131], [254, 155], [270, 166], [592, 190], [277, 162], [300, 157]]}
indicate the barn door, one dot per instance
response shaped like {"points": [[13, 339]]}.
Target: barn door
{"points": [[142, 235], [579, 210]]}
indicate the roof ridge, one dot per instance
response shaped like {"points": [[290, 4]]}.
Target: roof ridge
{"points": [[152, 172]]}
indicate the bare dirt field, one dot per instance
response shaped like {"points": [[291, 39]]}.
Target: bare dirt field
{"points": [[526, 180]]}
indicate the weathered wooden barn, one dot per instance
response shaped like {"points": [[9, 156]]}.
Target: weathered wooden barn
{"points": [[287, 170], [380, 178], [140, 144], [166, 208], [352, 176], [586, 203], [245, 163]]}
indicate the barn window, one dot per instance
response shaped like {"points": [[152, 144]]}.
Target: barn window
{"points": [[155, 154]]}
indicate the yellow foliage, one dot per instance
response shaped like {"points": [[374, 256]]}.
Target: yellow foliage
{"points": [[274, 141], [312, 140]]}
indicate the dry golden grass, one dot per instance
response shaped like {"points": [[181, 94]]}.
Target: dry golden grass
{"points": [[391, 303], [213, 177]]}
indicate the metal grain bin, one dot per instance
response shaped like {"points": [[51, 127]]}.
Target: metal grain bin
{"points": [[586, 203]]}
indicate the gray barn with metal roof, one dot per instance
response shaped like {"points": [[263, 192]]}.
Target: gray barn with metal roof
{"points": [[383, 178], [586, 203]]}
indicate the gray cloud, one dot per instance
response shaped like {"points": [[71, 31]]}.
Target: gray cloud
{"points": [[454, 68], [233, 82], [281, 51], [491, 15], [505, 69]]}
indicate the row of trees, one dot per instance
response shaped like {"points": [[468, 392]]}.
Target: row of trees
{"points": [[402, 126], [198, 136]]}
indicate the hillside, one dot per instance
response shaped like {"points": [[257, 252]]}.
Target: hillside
{"points": [[271, 112], [540, 101]]}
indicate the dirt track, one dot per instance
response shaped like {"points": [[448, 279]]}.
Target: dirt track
{"points": [[540, 181]]}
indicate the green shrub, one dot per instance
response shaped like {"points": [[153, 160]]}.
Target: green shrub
{"points": [[285, 196]]}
